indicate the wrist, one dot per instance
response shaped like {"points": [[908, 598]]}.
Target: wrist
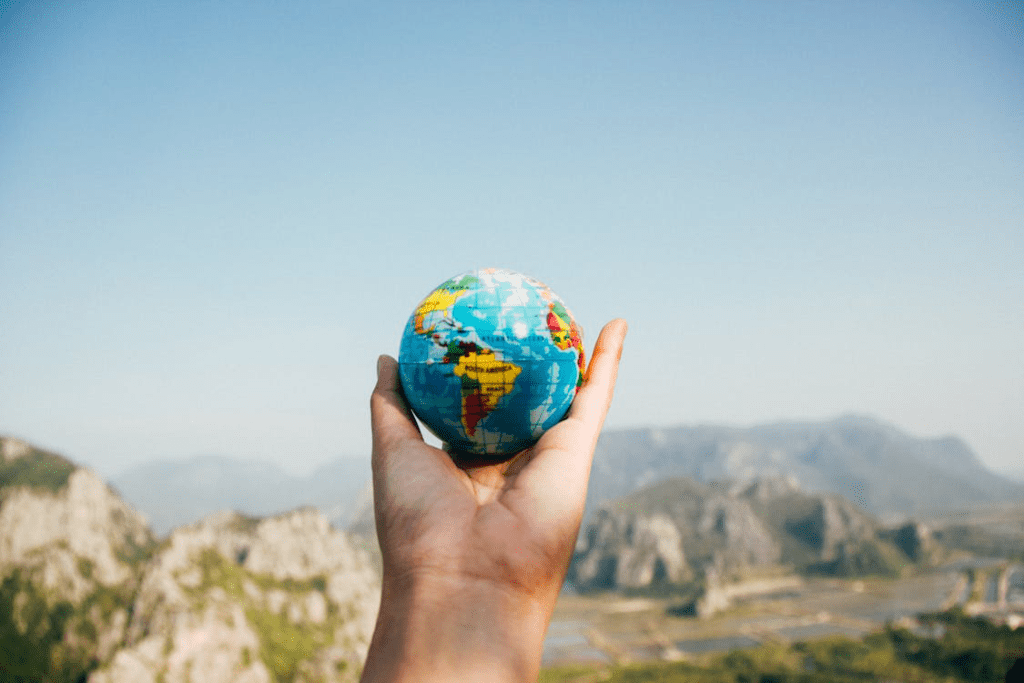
{"points": [[437, 627]]}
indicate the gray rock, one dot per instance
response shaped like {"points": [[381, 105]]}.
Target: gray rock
{"points": [[241, 600], [69, 547], [86, 591], [679, 530]]}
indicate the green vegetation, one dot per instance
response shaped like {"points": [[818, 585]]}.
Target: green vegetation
{"points": [[967, 650], [218, 571], [51, 640], [31, 636], [283, 643], [38, 469]]}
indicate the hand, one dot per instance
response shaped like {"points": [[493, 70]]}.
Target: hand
{"points": [[474, 556]]}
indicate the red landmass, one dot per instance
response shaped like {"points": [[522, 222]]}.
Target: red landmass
{"points": [[473, 410]]}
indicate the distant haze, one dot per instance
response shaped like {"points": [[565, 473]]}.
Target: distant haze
{"points": [[879, 468], [214, 216]]}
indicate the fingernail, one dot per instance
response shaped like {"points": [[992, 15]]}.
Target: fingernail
{"points": [[380, 365]]}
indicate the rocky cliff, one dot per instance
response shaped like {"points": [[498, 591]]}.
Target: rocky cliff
{"points": [[69, 547], [680, 530], [236, 599], [87, 593]]}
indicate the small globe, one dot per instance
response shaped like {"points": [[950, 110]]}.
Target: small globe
{"points": [[490, 360]]}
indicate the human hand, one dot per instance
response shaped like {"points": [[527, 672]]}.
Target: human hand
{"points": [[475, 554]]}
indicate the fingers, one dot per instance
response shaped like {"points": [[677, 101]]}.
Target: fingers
{"points": [[595, 396], [390, 418], [559, 471]]}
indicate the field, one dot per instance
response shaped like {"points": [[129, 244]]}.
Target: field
{"points": [[601, 633]]}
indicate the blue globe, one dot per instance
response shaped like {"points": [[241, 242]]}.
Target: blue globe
{"points": [[490, 360]]}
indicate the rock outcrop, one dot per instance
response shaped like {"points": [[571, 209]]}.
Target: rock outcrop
{"points": [[666, 534], [86, 593], [915, 540], [235, 599], [68, 551], [632, 551], [679, 531]]}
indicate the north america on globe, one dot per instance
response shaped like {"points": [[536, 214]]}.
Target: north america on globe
{"points": [[490, 360]]}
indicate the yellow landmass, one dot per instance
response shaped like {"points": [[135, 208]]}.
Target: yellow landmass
{"points": [[495, 379], [439, 300]]}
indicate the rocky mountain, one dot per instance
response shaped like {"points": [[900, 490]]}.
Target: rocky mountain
{"points": [[173, 493], [233, 598], [873, 464], [87, 593], [679, 530], [68, 553]]}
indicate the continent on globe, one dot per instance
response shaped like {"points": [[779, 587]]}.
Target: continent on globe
{"points": [[564, 332], [439, 301], [490, 360], [486, 379]]}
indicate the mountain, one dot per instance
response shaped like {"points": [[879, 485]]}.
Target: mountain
{"points": [[874, 464], [69, 547], [232, 598], [88, 594], [680, 531], [172, 493]]}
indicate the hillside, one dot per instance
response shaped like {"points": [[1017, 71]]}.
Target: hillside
{"points": [[680, 531], [87, 593], [877, 466], [69, 550]]}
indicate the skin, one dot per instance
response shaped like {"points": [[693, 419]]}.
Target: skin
{"points": [[475, 553]]}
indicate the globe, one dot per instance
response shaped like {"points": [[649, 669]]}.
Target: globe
{"points": [[490, 360]]}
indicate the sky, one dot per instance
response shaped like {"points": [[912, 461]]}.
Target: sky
{"points": [[215, 215]]}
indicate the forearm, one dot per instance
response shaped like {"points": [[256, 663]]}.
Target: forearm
{"points": [[441, 629]]}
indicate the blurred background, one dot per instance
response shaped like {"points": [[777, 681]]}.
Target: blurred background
{"points": [[214, 216]]}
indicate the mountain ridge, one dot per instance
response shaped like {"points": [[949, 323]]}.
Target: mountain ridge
{"points": [[874, 463]]}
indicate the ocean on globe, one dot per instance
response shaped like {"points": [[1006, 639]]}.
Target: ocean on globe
{"points": [[490, 360]]}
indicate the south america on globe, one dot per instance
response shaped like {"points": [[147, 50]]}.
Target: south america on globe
{"points": [[490, 360]]}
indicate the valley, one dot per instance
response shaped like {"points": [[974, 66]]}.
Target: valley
{"points": [[609, 629], [673, 570]]}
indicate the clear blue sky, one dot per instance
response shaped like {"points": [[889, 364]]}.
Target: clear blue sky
{"points": [[214, 215]]}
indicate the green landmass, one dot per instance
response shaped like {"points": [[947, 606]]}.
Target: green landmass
{"points": [[957, 648], [457, 283]]}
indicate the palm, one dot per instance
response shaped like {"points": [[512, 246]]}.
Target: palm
{"points": [[513, 523]]}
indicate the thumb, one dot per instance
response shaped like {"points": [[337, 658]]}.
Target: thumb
{"points": [[390, 418]]}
